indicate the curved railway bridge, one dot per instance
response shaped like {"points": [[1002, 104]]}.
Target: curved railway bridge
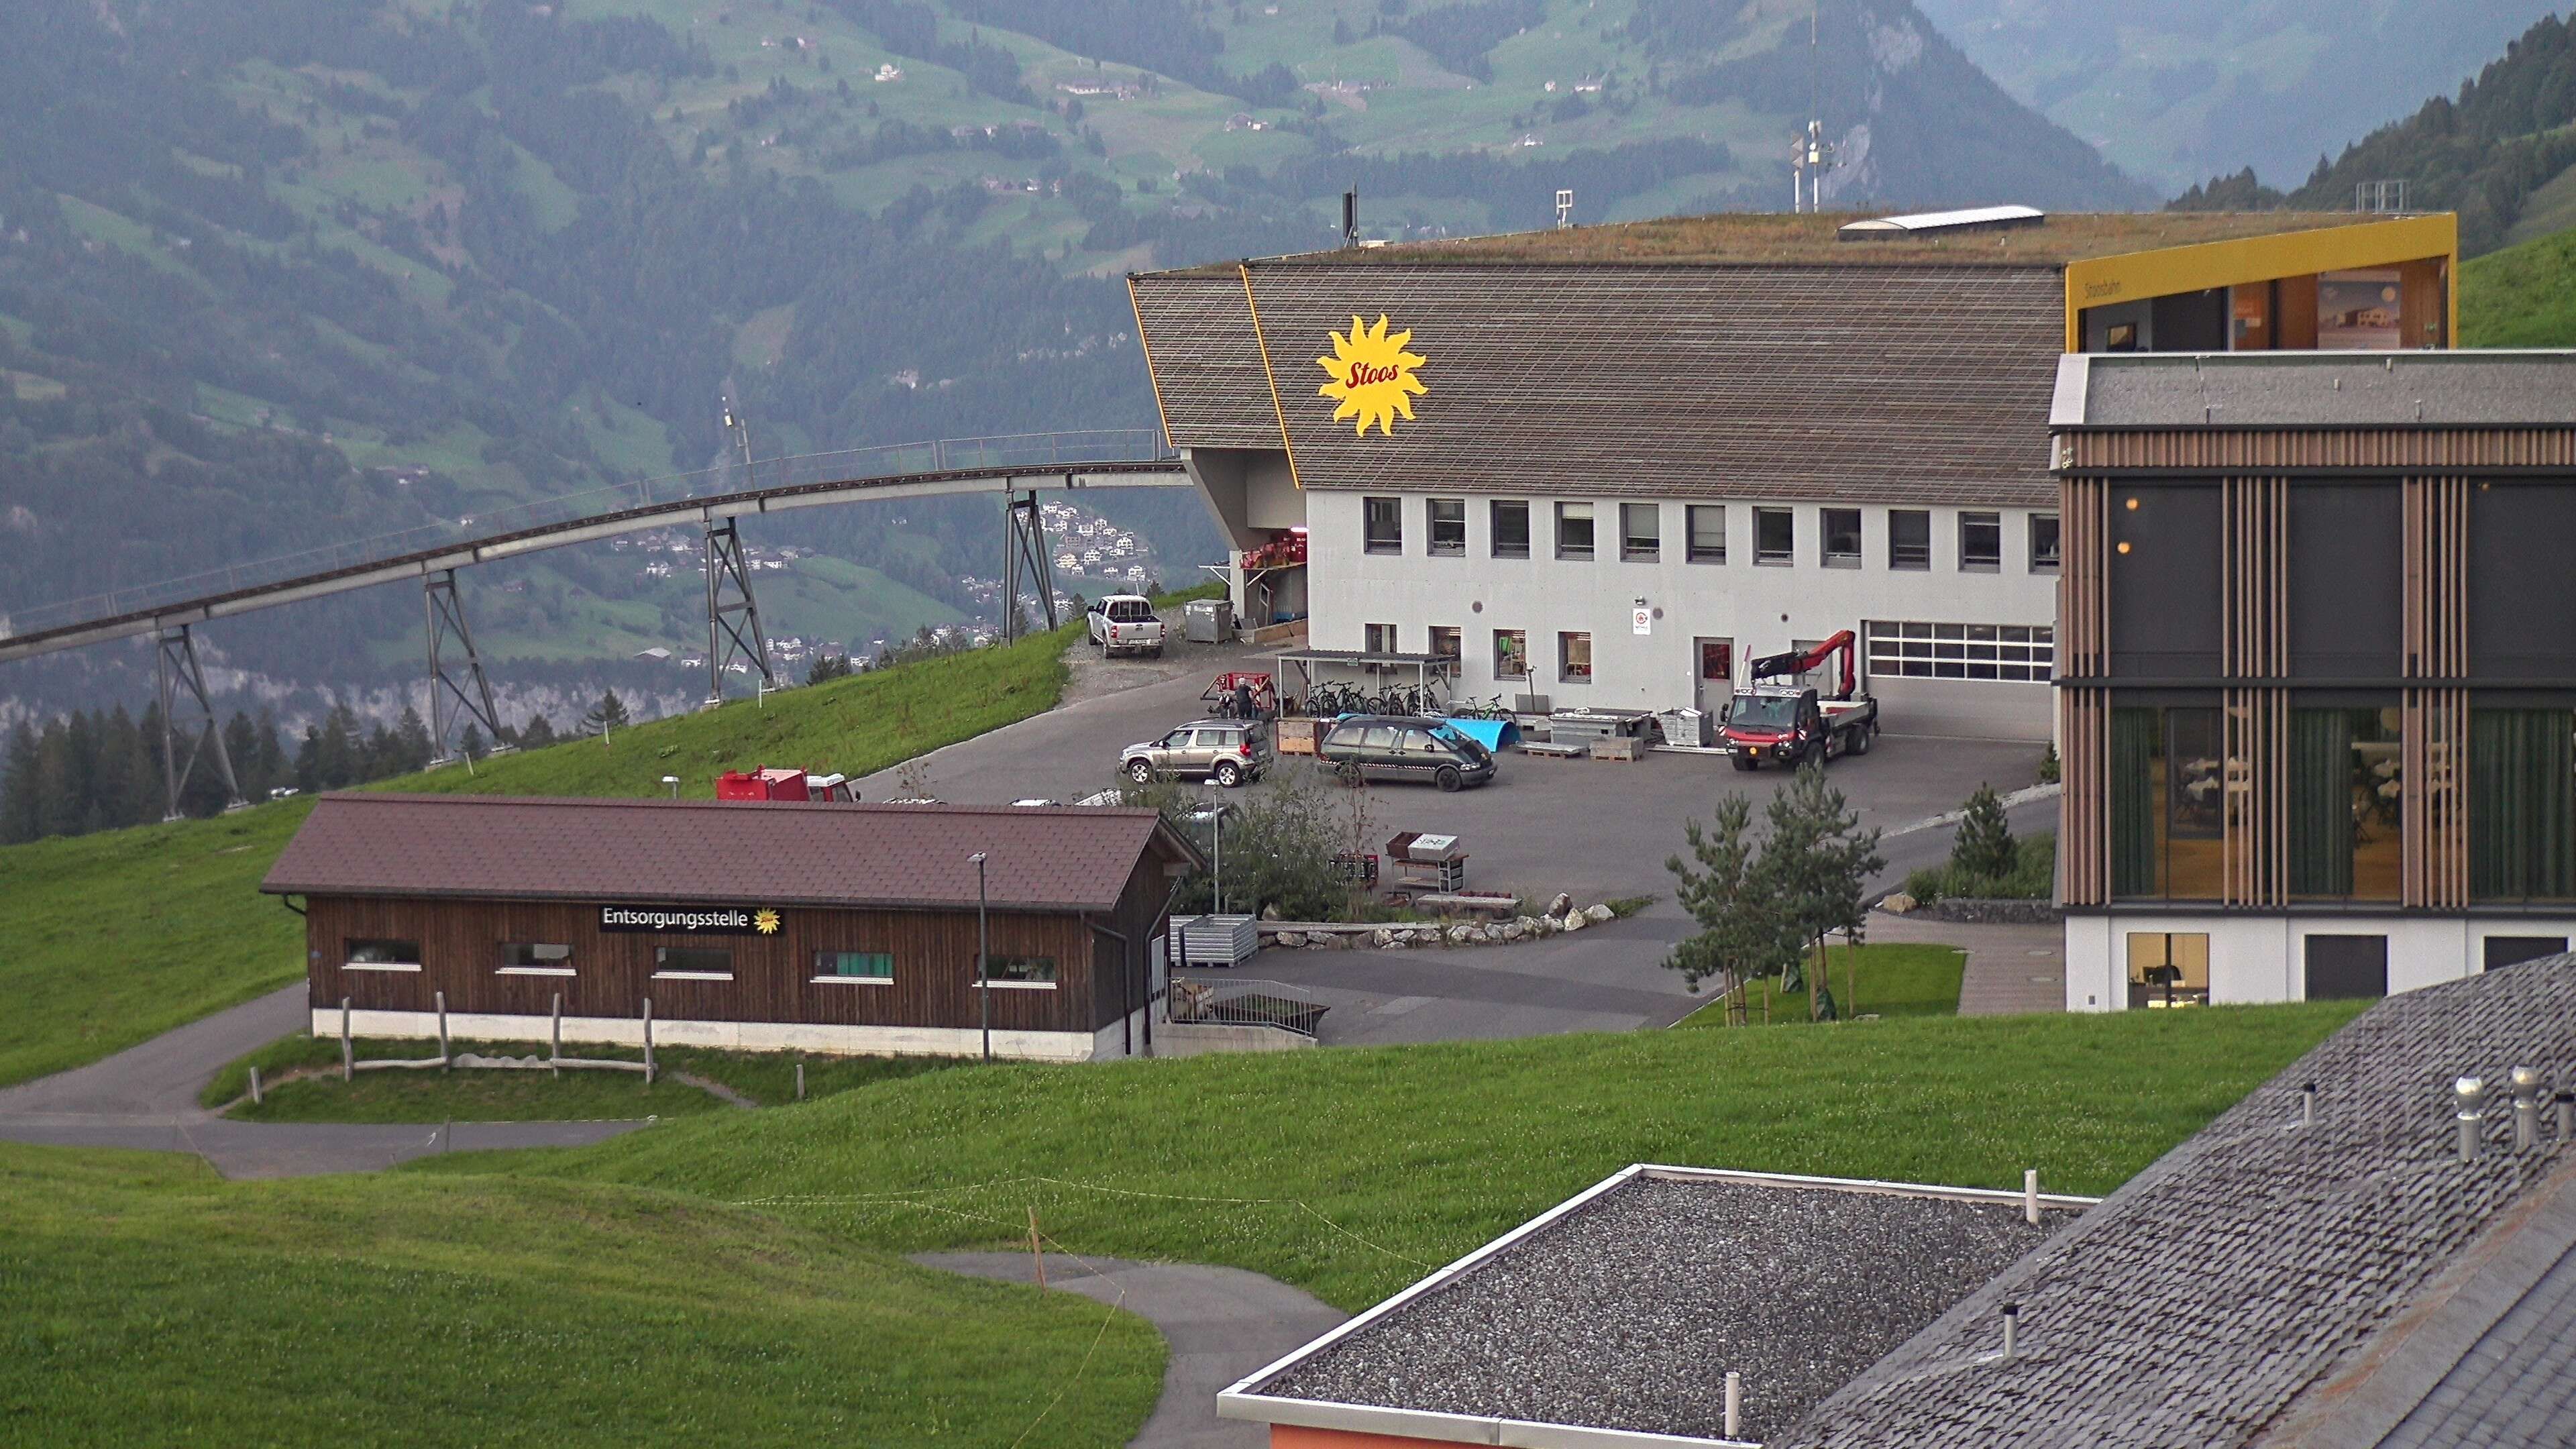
{"points": [[1014, 469]]}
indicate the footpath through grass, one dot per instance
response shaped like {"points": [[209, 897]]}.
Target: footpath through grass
{"points": [[1899, 979], [301, 1082], [149, 1301], [112, 939], [1351, 1172]]}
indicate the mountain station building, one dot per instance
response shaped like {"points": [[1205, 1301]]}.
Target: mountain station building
{"points": [[1610, 465], [757, 925]]}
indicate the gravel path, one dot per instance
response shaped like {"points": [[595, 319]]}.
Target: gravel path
{"points": [[1221, 1323], [146, 1097]]}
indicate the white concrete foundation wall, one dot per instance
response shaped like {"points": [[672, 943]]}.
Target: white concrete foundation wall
{"points": [[1194, 1039], [2259, 958], [756, 1036], [1762, 608]]}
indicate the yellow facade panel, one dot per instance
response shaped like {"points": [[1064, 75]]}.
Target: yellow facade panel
{"points": [[2129, 277]]}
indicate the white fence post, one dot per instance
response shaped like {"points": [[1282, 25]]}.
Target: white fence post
{"points": [[444, 1059], [648, 1041], [348, 1058], [554, 1053]]}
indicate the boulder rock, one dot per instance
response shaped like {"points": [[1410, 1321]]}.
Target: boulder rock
{"points": [[1599, 913], [1576, 921], [1561, 904], [1292, 938], [1898, 904], [1462, 934], [1270, 913], [1382, 937], [1513, 930]]}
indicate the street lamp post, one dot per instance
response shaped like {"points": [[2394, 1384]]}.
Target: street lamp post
{"points": [[983, 957]]}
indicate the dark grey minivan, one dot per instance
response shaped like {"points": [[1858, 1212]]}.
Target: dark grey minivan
{"points": [[1405, 747]]}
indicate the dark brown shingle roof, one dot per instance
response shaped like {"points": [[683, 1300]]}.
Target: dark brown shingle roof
{"points": [[522, 848]]}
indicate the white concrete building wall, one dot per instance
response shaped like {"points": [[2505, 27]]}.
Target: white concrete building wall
{"points": [[1761, 608], [2262, 957]]}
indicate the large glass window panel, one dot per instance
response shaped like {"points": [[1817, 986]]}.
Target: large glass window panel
{"points": [[2344, 791], [1574, 530], [1511, 528], [1909, 538], [2166, 787], [2522, 804], [1775, 536], [1842, 538], [2137, 751], [1448, 526], [1382, 521], [1708, 533], [1641, 531]]}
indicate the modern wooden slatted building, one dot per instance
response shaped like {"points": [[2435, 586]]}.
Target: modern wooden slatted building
{"points": [[2319, 671], [1610, 465], [820, 927]]}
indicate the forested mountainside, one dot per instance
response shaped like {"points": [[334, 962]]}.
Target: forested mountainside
{"points": [[279, 273], [2501, 152], [2181, 90]]}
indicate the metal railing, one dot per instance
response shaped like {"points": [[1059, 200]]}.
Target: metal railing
{"points": [[1199, 1000], [1034, 450]]}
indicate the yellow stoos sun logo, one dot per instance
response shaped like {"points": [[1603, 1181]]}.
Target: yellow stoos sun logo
{"points": [[1372, 376], [765, 922]]}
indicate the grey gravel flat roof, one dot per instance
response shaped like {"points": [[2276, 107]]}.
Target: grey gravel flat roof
{"points": [[2469, 389], [1627, 1312]]}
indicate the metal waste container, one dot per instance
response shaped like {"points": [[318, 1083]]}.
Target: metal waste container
{"points": [[1686, 727], [1208, 621]]}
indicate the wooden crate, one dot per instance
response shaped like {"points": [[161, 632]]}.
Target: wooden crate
{"points": [[1619, 747], [1296, 736]]}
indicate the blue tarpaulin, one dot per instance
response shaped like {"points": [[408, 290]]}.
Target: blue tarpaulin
{"points": [[1493, 734]]}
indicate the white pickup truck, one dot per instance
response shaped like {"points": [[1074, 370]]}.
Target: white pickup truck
{"points": [[1126, 624]]}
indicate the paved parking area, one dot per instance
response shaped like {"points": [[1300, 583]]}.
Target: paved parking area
{"points": [[1596, 829]]}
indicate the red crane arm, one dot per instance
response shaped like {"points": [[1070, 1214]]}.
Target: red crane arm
{"points": [[1800, 661]]}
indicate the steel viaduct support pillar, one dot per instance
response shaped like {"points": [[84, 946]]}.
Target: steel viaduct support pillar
{"points": [[733, 614], [448, 696], [1026, 564], [175, 669]]}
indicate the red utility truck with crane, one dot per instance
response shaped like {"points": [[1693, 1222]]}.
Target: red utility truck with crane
{"points": [[1791, 725]]}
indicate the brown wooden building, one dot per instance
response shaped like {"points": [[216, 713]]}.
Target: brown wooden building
{"points": [[756, 925], [2318, 671]]}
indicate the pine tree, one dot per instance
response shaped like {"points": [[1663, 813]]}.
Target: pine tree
{"points": [[608, 714], [470, 744], [1742, 934], [412, 745], [1984, 849], [537, 733], [18, 787], [1816, 865]]}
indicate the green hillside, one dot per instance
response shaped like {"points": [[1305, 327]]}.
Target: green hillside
{"points": [[1351, 1172], [2523, 296], [151, 1302]]}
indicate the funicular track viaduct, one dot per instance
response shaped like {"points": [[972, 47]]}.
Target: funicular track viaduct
{"points": [[1016, 468]]}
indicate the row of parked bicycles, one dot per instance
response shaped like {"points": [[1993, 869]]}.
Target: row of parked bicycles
{"points": [[1329, 699]]}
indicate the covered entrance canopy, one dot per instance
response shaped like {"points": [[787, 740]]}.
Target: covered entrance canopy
{"points": [[1369, 676]]}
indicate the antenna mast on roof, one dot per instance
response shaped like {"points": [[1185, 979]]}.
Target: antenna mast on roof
{"points": [[1811, 155]]}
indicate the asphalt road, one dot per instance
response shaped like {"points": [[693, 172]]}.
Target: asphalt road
{"points": [[1221, 1323]]}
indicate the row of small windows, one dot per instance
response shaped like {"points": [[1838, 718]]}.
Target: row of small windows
{"points": [[685, 963], [1775, 534], [2004, 652]]}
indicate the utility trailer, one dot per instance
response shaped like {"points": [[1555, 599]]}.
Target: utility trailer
{"points": [[1792, 725]]}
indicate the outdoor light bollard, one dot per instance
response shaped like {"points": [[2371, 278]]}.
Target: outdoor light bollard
{"points": [[254, 1086], [800, 1081], [2030, 1195], [2470, 1093], [1734, 1402]]}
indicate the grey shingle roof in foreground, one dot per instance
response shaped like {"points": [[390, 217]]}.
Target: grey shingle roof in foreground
{"points": [[2267, 1283], [2471, 389], [1625, 1310]]}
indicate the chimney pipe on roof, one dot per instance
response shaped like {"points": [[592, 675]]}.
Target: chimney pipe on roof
{"points": [[2308, 1105], [2012, 1320], [2566, 1115], [2526, 1108], [2471, 1094]]}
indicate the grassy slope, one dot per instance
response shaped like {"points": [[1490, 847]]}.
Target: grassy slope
{"points": [[2523, 296], [113, 938], [150, 1300], [1899, 979], [1349, 1171]]}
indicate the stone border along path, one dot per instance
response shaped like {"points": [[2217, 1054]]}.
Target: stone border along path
{"points": [[1221, 1323], [146, 1097]]}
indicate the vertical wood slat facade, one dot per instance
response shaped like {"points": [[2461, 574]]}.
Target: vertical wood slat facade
{"points": [[2085, 720], [2257, 471]]}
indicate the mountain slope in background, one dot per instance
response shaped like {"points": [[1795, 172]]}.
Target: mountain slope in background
{"points": [[2177, 91], [281, 273], [2502, 153]]}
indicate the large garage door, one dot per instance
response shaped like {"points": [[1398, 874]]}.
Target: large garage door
{"points": [[1981, 681]]}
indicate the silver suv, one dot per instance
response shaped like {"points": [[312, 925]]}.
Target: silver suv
{"points": [[1229, 751]]}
